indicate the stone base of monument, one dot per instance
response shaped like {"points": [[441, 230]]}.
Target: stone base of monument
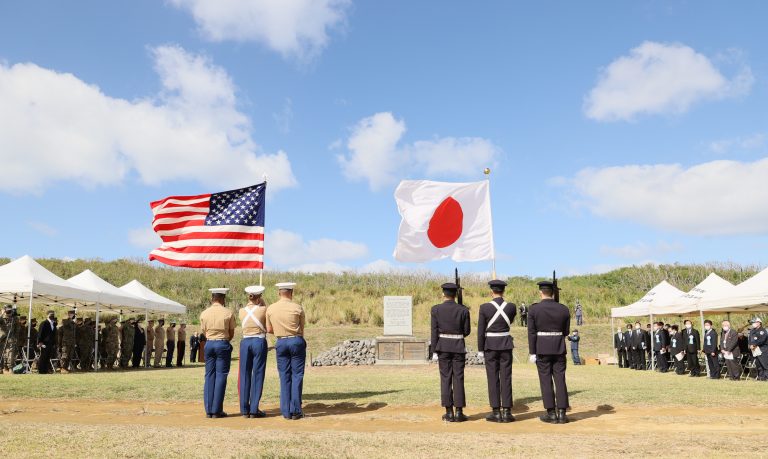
{"points": [[401, 350]]}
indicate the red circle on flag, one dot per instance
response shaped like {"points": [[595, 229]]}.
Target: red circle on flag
{"points": [[446, 224]]}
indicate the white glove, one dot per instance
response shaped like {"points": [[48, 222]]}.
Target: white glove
{"points": [[434, 357], [481, 355], [532, 358]]}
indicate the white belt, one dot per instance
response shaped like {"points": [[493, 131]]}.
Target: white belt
{"points": [[549, 333], [495, 334], [260, 335], [447, 336]]}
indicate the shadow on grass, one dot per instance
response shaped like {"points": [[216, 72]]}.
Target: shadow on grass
{"points": [[316, 410], [520, 407], [347, 395], [573, 417]]}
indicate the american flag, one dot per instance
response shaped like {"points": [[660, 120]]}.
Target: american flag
{"points": [[219, 230]]}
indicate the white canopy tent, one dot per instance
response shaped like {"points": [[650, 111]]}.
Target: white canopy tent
{"points": [[711, 287], [749, 296], [663, 292], [157, 302], [24, 278]]}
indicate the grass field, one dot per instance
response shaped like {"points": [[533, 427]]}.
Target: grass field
{"points": [[377, 412]]}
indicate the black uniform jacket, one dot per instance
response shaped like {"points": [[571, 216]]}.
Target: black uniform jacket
{"points": [[495, 343], [660, 339], [691, 345], [47, 335], [711, 345], [450, 318], [548, 316], [676, 344], [618, 340]]}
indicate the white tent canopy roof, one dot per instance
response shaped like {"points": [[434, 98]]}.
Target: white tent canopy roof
{"points": [[750, 295], [661, 293], [158, 302], [711, 287], [26, 276], [109, 296]]}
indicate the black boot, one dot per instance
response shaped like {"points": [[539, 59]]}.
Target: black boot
{"points": [[506, 415], [460, 417], [448, 416], [561, 417], [494, 417], [550, 417]]}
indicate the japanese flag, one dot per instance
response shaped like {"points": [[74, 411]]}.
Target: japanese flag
{"points": [[442, 220]]}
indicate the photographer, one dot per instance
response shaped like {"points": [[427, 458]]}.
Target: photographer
{"points": [[5, 325], [10, 349]]}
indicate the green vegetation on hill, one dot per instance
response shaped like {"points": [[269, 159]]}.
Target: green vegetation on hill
{"points": [[352, 298]]}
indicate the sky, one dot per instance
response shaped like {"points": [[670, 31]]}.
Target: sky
{"points": [[618, 133]]}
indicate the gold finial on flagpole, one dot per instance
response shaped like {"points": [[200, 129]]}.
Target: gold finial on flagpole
{"points": [[487, 171]]}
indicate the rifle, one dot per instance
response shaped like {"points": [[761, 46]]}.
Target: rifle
{"points": [[554, 286], [459, 294]]}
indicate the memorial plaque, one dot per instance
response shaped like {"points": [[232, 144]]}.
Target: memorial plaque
{"points": [[414, 351], [388, 351], [398, 315]]}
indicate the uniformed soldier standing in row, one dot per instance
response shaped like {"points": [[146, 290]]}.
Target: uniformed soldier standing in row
{"points": [[159, 343], [110, 338], [126, 342], [86, 338], [10, 349], [218, 324], [170, 344], [496, 344], [450, 325], [67, 341], [285, 320], [758, 342], [5, 325], [253, 352], [150, 342], [548, 324]]}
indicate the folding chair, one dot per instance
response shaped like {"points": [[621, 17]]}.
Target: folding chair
{"points": [[747, 368]]}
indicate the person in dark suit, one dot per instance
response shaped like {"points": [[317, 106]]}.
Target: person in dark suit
{"points": [[495, 345], [637, 341], [758, 340], [692, 344], [549, 322], [628, 347], [139, 341], [450, 325], [194, 345], [729, 347], [621, 351], [711, 350], [660, 345], [46, 342], [676, 347]]}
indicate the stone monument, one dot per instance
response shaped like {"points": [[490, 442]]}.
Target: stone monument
{"points": [[398, 346]]}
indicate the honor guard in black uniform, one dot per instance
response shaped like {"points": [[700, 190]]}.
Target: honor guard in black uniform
{"points": [[660, 344], [758, 344], [450, 324], [692, 345], [495, 345], [549, 322]]}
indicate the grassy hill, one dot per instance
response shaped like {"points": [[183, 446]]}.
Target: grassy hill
{"points": [[352, 298]]}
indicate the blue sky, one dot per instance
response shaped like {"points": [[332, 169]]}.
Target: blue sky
{"points": [[618, 132]]}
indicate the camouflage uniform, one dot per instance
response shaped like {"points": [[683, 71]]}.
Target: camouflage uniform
{"points": [[11, 344], [85, 336], [5, 324], [109, 338], [126, 344], [66, 343]]}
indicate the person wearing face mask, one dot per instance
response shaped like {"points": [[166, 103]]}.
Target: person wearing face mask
{"points": [[638, 347], [46, 342], [729, 347], [710, 350], [628, 347], [660, 343], [692, 346], [621, 350], [677, 349], [758, 344]]}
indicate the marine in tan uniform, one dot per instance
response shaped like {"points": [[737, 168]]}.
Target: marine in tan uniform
{"points": [[150, 342], [253, 352], [218, 324], [181, 344], [285, 320], [159, 342], [170, 344]]}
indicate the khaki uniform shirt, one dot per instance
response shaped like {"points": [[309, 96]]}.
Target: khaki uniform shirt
{"points": [[151, 335], [170, 334], [285, 318], [250, 327], [159, 337], [217, 322], [182, 335]]}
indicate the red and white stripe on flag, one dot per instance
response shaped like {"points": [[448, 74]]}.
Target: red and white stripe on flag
{"points": [[192, 241], [444, 220]]}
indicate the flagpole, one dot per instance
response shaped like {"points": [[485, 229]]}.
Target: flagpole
{"points": [[261, 271], [487, 173]]}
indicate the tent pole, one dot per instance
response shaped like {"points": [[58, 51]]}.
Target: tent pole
{"points": [[96, 341], [706, 360], [613, 337], [29, 335], [653, 355], [146, 343]]}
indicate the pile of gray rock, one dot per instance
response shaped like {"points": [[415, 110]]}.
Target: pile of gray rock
{"points": [[473, 359], [348, 353]]}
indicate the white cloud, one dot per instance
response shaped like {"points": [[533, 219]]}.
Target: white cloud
{"points": [[293, 28], [56, 127], [640, 250], [284, 117], [714, 198], [751, 142], [602, 268], [43, 228], [286, 250], [376, 156], [659, 78], [144, 238]]}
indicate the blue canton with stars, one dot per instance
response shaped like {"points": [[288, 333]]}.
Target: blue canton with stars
{"points": [[238, 207]]}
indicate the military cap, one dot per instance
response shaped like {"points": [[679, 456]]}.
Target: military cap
{"points": [[285, 285], [219, 290], [22, 317], [254, 289], [449, 286], [497, 283], [757, 319], [34, 321], [173, 322], [546, 284]]}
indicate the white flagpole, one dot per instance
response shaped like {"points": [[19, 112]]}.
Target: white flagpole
{"points": [[261, 271], [487, 173]]}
